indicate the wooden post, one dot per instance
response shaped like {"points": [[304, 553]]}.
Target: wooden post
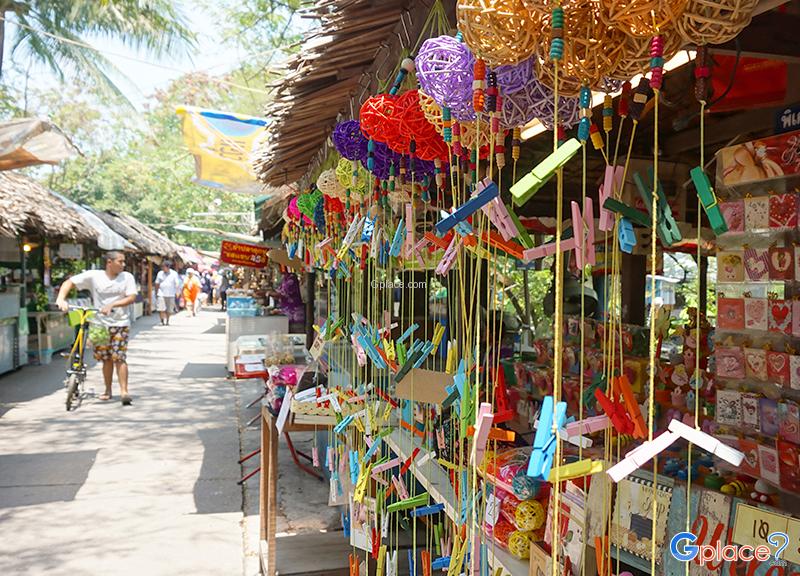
{"points": [[268, 493], [634, 287], [149, 297]]}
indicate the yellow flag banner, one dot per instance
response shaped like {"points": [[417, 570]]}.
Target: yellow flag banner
{"points": [[221, 144]]}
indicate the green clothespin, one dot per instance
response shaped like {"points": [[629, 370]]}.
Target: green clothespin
{"points": [[665, 224], [598, 382], [420, 500], [529, 184], [708, 200], [665, 211], [523, 236], [632, 214]]}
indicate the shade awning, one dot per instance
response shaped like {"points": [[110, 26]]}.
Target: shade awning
{"points": [[107, 239], [32, 141]]}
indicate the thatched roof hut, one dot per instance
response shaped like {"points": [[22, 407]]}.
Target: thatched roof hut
{"points": [[144, 238], [28, 207]]}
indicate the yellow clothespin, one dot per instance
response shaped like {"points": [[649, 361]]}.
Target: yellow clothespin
{"points": [[585, 467], [362, 483]]}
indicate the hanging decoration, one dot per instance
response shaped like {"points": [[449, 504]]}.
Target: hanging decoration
{"points": [[349, 141], [512, 78], [714, 21], [499, 31], [444, 71], [641, 17]]}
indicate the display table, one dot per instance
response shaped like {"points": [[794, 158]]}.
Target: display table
{"points": [[251, 326], [52, 333]]}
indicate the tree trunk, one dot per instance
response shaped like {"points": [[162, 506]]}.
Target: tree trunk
{"points": [[2, 39]]}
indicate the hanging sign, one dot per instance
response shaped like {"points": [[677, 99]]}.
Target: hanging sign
{"points": [[70, 251], [240, 254], [787, 119]]}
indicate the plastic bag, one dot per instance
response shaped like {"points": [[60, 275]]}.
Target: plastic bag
{"points": [[99, 335]]}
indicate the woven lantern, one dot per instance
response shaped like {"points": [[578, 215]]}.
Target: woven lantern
{"points": [[637, 54], [445, 72], [498, 31], [468, 134], [512, 78], [641, 17], [329, 185], [348, 140], [714, 21], [591, 49], [344, 173], [379, 117], [432, 111]]}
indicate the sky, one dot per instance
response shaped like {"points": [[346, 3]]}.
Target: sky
{"points": [[210, 55]]}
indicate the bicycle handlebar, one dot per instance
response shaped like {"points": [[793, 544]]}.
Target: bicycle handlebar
{"points": [[54, 308]]}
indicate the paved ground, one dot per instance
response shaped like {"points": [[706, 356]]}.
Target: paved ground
{"points": [[149, 489]]}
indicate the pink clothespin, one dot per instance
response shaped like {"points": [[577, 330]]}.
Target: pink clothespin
{"points": [[408, 246], [400, 486], [578, 233], [588, 425], [611, 183], [385, 466], [483, 423], [449, 256], [588, 218], [547, 249], [499, 216]]}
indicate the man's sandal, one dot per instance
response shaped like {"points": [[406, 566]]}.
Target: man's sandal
{"points": [[127, 401]]}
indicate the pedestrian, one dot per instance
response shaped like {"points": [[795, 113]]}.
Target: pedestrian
{"points": [[167, 284], [113, 291], [191, 291], [223, 290], [207, 287]]}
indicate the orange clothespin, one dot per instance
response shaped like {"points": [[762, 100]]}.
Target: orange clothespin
{"points": [[622, 384]]}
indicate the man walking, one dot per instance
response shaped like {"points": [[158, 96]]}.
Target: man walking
{"points": [[167, 285], [113, 291]]}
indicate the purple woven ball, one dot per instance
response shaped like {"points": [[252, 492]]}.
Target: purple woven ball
{"points": [[445, 72], [569, 112], [349, 141], [512, 78], [384, 157], [609, 85], [535, 100]]}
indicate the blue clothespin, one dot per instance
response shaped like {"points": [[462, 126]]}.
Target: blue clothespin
{"points": [[346, 523], [372, 449], [425, 352], [627, 237], [371, 351], [409, 331], [468, 208], [410, 563], [427, 510], [544, 442], [354, 467], [366, 231], [343, 424], [440, 563], [292, 249], [398, 239]]}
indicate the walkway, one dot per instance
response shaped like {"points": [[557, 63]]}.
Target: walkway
{"points": [[150, 489]]}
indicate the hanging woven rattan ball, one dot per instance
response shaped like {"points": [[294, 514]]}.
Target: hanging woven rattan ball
{"points": [[328, 184], [591, 49], [641, 17], [637, 54], [444, 70], [498, 31], [344, 173], [714, 21], [432, 111]]}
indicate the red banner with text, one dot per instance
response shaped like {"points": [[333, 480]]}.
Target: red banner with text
{"points": [[240, 254]]}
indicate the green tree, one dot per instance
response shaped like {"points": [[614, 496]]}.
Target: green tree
{"points": [[57, 32]]}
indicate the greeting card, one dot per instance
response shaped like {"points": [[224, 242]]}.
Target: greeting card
{"points": [[730, 362], [755, 313], [755, 363], [783, 211], [733, 212], [730, 313], [751, 464], [796, 318], [729, 408], [779, 318], [794, 372], [730, 266], [768, 417], [756, 264], [778, 367], [756, 213], [750, 412], [768, 457], [789, 466], [781, 263], [789, 421]]}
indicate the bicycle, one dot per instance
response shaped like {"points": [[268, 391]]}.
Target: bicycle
{"points": [[76, 367]]}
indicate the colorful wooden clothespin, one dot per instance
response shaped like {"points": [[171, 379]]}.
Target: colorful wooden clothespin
{"points": [[544, 442], [627, 236], [635, 216], [475, 203], [547, 249], [414, 502], [398, 239], [612, 182], [530, 184], [449, 257], [483, 423], [579, 469], [709, 200], [666, 227], [640, 455]]}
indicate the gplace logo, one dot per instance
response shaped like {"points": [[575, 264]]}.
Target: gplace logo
{"points": [[730, 552]]}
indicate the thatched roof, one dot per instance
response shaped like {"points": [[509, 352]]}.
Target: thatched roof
{"points": [[144, 238], [27, 206], [336, 68]]}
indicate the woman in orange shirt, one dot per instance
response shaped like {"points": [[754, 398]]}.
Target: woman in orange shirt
{"points": [[191, 290]]}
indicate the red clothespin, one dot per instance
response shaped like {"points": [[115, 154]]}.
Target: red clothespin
{"points": [[492, 238], [615, 412], [386, 397], [504, 410], [622, 384], [407, 464]]}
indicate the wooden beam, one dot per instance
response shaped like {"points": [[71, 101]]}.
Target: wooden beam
{"points": [[771, 35], [723, 130]]}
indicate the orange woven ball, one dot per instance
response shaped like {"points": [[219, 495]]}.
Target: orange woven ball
{"points": [[714, 21], [641, 17], [498, 31]]}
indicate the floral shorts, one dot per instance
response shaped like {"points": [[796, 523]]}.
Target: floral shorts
{"points": [[117, 349]]}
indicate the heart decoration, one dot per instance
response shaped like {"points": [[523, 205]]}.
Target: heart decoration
{"points": [[755, 314], [778, 367], [756, 363], [783, 211], [756, 213], [733, 213], [730, 362], [756, 263], [769, 463], [781, 263], [307, 203], [780, 316]]}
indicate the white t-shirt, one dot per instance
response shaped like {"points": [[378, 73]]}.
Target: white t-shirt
{"points": [[168, 284], [106, 291]]}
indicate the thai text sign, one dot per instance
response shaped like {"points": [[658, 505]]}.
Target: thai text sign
{"points": [[240, 254]]}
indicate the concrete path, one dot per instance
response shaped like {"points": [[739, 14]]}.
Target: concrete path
{"points": [[149, 489]]}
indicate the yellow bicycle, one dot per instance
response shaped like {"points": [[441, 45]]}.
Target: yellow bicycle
{"points": [[76, 367]]}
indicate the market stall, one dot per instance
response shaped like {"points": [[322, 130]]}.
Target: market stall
{"points": [[554, 275]]}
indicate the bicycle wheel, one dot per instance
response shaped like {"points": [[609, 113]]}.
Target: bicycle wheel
{"points": [[72, 389]]}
